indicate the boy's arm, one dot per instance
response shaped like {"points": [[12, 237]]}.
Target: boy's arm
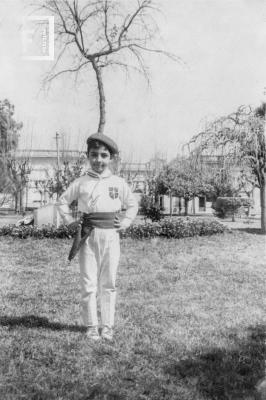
{"points": [[65, 200], [130, 203]]}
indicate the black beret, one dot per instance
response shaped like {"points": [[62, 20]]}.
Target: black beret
{"points": [[108, 142]]}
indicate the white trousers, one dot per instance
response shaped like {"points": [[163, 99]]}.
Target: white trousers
{"points": [[98, 259]]}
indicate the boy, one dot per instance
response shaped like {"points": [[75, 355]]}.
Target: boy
{"points": [[100, 195]]}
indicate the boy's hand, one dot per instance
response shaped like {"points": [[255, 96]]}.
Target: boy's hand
{"points": [[117, 224], [74, 225]]}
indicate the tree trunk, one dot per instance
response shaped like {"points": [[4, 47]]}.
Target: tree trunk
{"points": [[21, 200], [186, 206], [171, 204], [263, 205], [233, 211], [16, 202], [248, 213], [102, 111]]}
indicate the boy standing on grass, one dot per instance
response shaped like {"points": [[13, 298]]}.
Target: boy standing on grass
{"points": [[100, 196]]}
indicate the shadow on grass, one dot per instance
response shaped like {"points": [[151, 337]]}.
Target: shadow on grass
{"points": [[226, 374], [33, 321]]}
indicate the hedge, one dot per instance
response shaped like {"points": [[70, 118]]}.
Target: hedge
{"points": [[176, 228], [46, 231], [225, 206], [179, 227]]}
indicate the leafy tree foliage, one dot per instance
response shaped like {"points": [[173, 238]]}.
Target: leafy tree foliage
{"points": [[182, 178], [9, 128], [10, 169], [240, 137], [231, 205], [6, 187], [150, 208], [149, 204]]}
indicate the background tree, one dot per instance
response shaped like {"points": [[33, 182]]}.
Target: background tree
{"points": [[43, 186], [182, 178], [9, 134], [166, 183], [6, 188], [240, 137], [232, 206], [18, 172], [100, 34], [63, 177], [222, 183], [149, 203], [9, 128]]}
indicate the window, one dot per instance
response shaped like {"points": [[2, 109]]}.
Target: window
{"points": [[202, 204]]}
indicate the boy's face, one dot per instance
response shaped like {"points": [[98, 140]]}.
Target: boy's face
{"points": [[99, 158]]}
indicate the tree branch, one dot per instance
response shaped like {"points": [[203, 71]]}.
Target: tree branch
{"points": [[144, 4], [77, 69], [105, 9]]}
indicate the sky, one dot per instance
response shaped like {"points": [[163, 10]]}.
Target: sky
{"points": [[222, 49]]}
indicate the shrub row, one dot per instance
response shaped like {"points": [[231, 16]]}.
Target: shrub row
{"points": [[179, 227], [46, 231]]}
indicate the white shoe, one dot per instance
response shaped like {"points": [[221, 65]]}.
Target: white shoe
{"points": [[107, 333], [92, 333]]}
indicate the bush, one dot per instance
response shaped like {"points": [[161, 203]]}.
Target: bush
{"points": [[149, 208], [46, 231], [225, 206], [179, 227]]}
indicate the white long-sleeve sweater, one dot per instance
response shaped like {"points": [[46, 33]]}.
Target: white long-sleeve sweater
{"points": [[99, 193]]}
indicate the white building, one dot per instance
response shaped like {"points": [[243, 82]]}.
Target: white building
{"points": [[44, 163]]}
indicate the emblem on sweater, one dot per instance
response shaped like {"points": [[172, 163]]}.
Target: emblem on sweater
{"points": [[113, 192]]}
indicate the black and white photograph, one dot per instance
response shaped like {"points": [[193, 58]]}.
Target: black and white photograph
{"points": [[133, 200]]}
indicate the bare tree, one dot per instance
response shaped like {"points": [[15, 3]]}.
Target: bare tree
{"points": [[19, 171], [100, 34], [43, 187], [63, 177]]}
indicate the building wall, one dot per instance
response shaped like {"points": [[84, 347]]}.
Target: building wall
{"points": [[178, 206], [43, 165]]}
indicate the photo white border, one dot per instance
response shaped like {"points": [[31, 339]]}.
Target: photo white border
{"points": [[50, 20]]}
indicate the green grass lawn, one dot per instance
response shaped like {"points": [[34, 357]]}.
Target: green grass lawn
{"points": [[190, 322]]}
